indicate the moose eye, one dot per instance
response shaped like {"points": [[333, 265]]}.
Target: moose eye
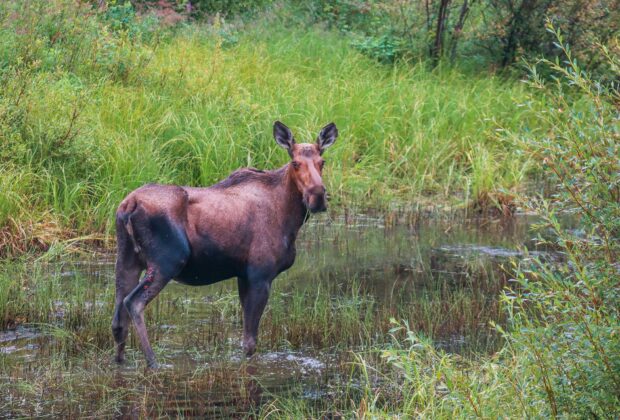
{"points": [[296, 164]]}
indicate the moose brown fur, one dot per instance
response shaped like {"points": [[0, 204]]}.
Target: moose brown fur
{"points": [[244, 227]]}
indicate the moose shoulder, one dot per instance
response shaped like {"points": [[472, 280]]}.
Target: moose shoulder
{"points": [[244, 226]]}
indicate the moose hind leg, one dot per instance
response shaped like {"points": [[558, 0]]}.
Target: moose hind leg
{"points": [[152, 283], [157, 275], [120, 320], [165, 247], [128, 268]]}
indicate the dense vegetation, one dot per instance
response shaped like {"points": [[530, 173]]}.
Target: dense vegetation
{"points": [[97, 99], [474, 33], [561, 357], [95, 104]]}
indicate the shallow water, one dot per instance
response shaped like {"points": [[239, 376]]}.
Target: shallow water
{"points": [[353, 272]]}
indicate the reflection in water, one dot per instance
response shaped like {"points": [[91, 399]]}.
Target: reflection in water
{"points": [[353, 273], [247, 385]]}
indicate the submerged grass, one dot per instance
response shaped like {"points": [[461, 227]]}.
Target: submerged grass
{"points": [[99, 111]]}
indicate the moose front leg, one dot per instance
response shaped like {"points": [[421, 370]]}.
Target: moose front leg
{"points": [[253, 296]]}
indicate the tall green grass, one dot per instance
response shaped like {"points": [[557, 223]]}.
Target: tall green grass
{"points": [[94, 105]]}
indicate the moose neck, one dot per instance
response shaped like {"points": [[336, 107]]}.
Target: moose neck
{"points": [[295, 213]]}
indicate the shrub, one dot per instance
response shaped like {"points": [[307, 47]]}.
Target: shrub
{"points": [[477, 32], [566, 316]]}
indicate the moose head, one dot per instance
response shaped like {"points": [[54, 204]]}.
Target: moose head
{"points": [[307, 163]]}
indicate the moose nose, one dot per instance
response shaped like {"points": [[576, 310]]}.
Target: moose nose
{"points": [[316, 199], [317, 190]]}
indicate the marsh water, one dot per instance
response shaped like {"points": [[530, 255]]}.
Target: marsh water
{"points": [[353, 274]]}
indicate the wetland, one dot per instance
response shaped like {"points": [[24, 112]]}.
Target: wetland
{"points": [[354, 274]]}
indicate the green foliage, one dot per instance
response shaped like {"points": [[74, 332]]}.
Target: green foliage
{"points": [[188, 106], [570, 333], [228, 8], [386, 31], [476, 32], [385, 49], [515, 29], [122, 18]]}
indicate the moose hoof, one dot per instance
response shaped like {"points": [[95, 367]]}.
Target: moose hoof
{"points": [[249, 347], [153, 365]]}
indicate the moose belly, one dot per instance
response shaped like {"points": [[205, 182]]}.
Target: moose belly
{"points": [[208, 271]]}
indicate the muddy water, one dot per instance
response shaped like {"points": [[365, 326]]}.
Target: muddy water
{"points": [[353, 272]]}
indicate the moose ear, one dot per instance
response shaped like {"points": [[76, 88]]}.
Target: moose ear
{"points": [[283, 136], [327, 136]]}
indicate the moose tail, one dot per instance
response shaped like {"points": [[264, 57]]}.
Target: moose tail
{"points": [[124, 223]]}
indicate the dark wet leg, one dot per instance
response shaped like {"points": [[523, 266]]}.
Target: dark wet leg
{"points": [[152, 283], [127, 275], [253, 296], [165, 249]]}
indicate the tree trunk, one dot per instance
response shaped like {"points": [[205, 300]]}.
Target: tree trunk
{"points": [[429, 26], [441, 27], [458, 28], [521, 23]]}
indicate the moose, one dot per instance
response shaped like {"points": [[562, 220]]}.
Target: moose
{"points": [[244, 226]]}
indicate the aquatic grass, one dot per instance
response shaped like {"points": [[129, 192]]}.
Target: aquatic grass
{"points": [[68, 312], [93, 387], [410, 377], [321, 317], [334, 307]]}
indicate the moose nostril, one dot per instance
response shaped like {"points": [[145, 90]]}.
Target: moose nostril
{"points": [[318, 190]]}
